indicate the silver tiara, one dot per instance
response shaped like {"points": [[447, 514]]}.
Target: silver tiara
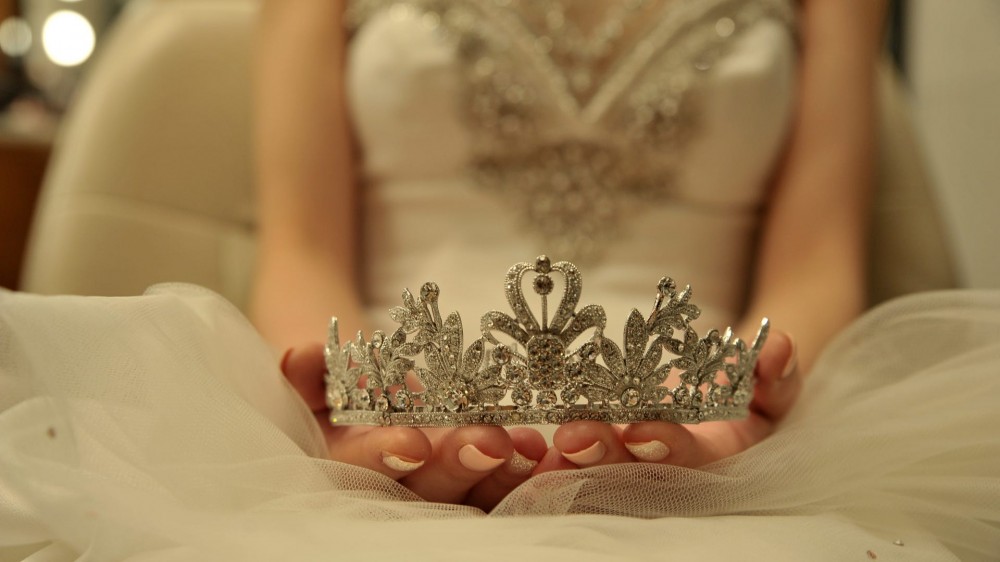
{"points": [[423, 375]]}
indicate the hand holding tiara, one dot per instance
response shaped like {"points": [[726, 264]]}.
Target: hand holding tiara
{"points": [[663, 372]]}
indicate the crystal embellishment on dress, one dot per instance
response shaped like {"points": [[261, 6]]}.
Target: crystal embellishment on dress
{"points": [[524, 369], [628, 85]]}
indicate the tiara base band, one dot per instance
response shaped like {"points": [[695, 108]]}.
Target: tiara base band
{"points": [[510, 415]]}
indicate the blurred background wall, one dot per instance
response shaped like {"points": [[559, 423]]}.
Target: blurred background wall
{"points": [[953, 63], [947, 50]]}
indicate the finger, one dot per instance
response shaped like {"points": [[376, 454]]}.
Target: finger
{"points": [[778, 380], [778, 357], [304, 367], [529, 449], [553, 460], [590, 443], [393, 451], [674, 444], [462, 458], [775, 392]]}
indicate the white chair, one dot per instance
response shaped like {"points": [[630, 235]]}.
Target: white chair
{"points": [[151, 178]]}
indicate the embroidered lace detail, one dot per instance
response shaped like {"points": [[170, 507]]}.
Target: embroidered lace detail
{"points": [[628, 87]]}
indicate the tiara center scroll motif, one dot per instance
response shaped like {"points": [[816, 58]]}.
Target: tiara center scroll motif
{"points": [[423, 375]]}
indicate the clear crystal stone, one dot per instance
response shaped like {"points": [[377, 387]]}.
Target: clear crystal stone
{"points": [[543, 264], [430, 292], [521, 395], [403, 399], [361, 398], [335, 400], [570, 396], [501, 354], [543, 284], [630, 398], [546, 399]]}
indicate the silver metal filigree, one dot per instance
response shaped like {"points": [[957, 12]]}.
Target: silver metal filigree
{"points": [[424, 375]]}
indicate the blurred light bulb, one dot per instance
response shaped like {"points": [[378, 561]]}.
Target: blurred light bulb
{"points": [[68, 38], [15, 37]]}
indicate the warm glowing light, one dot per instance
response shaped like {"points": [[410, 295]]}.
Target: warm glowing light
{"points": [[15, 37], [68, 38]]}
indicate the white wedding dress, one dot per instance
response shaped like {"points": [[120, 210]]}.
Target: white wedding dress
{"points": [[159, 427]]}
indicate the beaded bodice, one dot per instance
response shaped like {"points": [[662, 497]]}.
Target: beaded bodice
{"points": [[571, 128], [580, 110]]}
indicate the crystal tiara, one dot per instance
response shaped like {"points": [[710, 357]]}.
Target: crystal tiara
{"points": [[422, 375]]}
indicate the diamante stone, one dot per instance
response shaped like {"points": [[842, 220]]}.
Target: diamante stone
{"points": [[546, 398], [430, 292], [521, 396], [501, 354], [361, 398], [543, 285], [545, 359], [570, 396], [666, 286], [335, 400]]}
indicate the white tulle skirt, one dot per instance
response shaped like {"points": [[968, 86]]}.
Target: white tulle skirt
{"points": [[159, 428]]}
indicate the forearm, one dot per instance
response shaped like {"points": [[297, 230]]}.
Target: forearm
{"points": [[307, 198], [810, 272], [811, 305], [296, 293]]}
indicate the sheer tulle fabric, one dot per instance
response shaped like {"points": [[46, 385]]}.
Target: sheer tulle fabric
{"points": [[159, 428]]}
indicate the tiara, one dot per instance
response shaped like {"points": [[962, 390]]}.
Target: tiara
{"points": [[524, 371]]}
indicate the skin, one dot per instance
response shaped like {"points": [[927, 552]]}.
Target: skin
{"points": [[809, 275]]}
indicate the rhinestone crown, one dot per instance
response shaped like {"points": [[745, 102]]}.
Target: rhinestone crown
{"points": [[422, 375]]}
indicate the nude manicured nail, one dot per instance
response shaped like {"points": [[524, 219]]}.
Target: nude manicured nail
{"points": [[476, 460], [650, 451], [588, 456], [401, 464], [521, 465]]}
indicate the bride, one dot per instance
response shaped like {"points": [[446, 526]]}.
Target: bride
{"points": [[577, 128], [726, 143]]}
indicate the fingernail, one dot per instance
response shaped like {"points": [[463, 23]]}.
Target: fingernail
{"points": [[521, 465], [401, 464], [650, 451], [476, 460], [793, 361], [588, 456]]}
